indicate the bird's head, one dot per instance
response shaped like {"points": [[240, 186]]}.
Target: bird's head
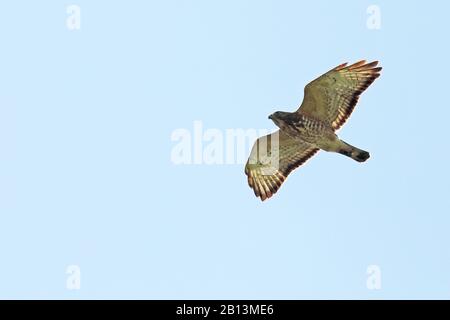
{"points": [[279, 117]]}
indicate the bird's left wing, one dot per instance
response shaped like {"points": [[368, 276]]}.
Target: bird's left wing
{"points": [[332, 97], [271, 160]]}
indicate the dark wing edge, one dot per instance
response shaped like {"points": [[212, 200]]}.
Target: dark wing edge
{"points": [[366, 75]]}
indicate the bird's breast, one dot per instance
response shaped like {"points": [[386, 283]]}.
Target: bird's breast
{"points": [[306, 129]]}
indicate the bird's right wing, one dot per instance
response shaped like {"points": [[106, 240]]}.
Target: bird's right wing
{"points": [[332, 97], [271, 160]]}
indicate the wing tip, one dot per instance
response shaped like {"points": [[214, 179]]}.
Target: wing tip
{"points": [[361, 65], [341, 66], [356, 64], [264, 189]]}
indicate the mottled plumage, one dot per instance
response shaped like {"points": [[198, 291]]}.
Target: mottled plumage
{"points": [[328, 102]]}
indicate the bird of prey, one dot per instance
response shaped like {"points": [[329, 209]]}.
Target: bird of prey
{"points": [[327, 103]]}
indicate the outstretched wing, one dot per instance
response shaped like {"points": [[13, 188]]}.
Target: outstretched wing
{"points": [[333, 96], [271, 160]]}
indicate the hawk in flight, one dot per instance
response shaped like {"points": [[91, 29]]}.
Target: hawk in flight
{"points": [[327, 103]]}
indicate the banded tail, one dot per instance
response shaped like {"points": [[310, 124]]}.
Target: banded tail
{"points": [[353, 152]]}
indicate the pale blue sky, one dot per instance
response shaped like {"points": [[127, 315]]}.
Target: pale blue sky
{"points": [[86, 178]]}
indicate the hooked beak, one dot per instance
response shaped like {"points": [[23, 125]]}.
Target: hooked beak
{"points": [[270, 117]]}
